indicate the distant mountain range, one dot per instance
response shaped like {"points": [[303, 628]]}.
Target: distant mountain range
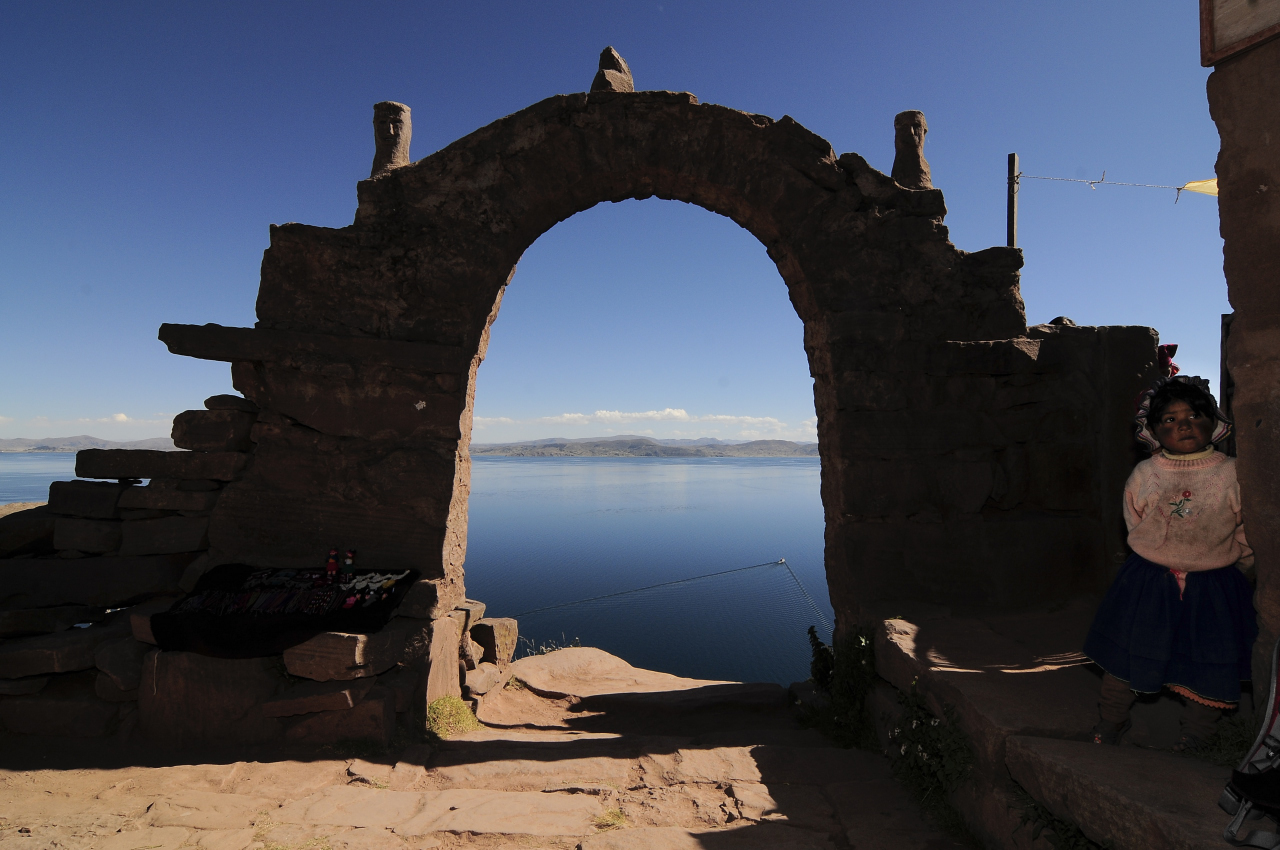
{"points": [[633, 446], [84, 441], [624, 445]]}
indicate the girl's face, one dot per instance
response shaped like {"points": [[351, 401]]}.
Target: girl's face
{"points": [[1183, 431]]}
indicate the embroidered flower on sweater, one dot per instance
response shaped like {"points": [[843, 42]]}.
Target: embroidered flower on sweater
{"points": [[1179, 508]]}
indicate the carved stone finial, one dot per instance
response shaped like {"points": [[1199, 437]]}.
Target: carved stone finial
{"points": [[392, 130], [910, 169], [614, 75]]}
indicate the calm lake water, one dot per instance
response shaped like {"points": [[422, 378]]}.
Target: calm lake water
{"points": [[25, 476], [548, 532]]}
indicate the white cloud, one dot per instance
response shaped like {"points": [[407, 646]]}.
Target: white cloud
{"points": [[671, 422], [114, 426]]}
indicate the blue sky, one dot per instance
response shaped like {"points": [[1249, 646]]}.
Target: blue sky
{"points": [[145, 149]]}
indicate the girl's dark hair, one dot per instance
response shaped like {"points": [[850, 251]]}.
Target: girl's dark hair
{"points": [[1198, 399]]}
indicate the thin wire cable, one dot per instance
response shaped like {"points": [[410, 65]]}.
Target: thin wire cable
{"points": [[1094, 184], [812, 603], [652, 586]]}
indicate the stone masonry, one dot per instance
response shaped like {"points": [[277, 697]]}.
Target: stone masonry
{"points": [[967, 459]]}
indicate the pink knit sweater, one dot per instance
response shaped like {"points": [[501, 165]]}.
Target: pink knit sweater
{"points": [[1185, 514]]}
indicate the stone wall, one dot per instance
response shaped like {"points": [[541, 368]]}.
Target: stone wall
{"points": [[1243, 92], [966, 459]]}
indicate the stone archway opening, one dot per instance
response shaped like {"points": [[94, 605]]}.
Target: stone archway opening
{"points": [[709, 346]]}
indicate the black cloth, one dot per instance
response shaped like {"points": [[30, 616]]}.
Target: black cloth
{"points": [[239, 611]]}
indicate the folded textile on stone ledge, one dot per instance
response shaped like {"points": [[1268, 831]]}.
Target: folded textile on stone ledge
{"points": [[240, 611]]}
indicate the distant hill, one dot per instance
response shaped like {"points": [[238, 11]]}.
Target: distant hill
{"points": [[84, 441], [630, 446]]}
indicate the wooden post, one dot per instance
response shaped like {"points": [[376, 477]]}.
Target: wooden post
{"points": [[1013, 200]]}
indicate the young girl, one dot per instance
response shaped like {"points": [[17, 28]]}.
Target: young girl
{"points": [[1179, 614]]}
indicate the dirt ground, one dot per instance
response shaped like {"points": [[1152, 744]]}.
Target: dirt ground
{"points": [[710, 765]]}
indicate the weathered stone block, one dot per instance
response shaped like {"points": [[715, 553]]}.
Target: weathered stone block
{"points": [[485, 678], [285, 528], [339, 655], [198, 485], [106, 582], [1060, 476], [364, 400], [169, 535], [41, 621], [26, 532], [164, 495], [87, 499], [22, 687], [372, 719], [216, 342], [498, 637], [404, 682], [66, 708], [428, 599], [139, 463], [106, 688], [474, 613], [1123, 797], [122, 661], [86, 535], [230, 402], [213, 430], [471, 652], [310, 697], [193, 699], [443, 673], [63, 652]]}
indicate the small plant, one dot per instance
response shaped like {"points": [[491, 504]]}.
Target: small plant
{"points": [[449, 716], [1229, 743], [930, 754], [1062, 834], [846, 673], [515, 684], [609, 819], [526, 647], [262, 827]]}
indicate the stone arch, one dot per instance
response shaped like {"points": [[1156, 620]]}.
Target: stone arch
{"points": [[364, 358]]}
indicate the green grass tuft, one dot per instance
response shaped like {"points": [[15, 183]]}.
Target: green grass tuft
{"points": [[449, 716], [609, 819], [1229, 743]]}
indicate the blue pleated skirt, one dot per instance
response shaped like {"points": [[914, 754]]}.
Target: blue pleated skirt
{"points": [[1147, 635]]}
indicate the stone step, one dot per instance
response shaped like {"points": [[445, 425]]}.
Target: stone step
{"points": [[998, 687], [1134, 798]]}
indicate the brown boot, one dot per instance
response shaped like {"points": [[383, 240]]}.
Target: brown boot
{"points": [[1198, 722], [1114, 703]]}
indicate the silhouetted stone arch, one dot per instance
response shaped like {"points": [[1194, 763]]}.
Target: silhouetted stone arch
{"points": [[928, 389]]}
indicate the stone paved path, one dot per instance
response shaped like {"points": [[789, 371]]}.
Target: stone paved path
{"points": [[720, 767]]}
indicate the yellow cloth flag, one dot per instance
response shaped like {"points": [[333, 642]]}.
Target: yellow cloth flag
{"points": [[1204, 187]]}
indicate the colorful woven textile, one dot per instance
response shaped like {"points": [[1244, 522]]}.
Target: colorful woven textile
{"points": [[239, 611]]}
